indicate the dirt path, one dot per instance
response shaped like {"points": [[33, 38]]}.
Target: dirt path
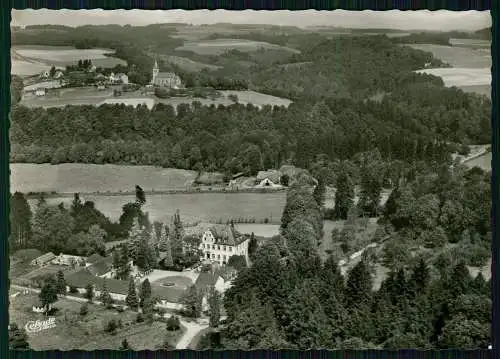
{"points": [[192, 329]]}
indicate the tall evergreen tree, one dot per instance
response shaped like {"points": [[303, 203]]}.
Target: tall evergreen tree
{"points": [[344, 196], [320, 191], [105, 296], [61, 283], [140, 196], [145, 291], [131, 299], [177, 235], [192, 301], [48, 294], [20, 221], [359, 285], [214, 302]]}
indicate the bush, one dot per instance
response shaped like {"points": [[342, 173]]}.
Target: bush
{"points": [[84, 309], [173, 324], [73, 289], [140, 318], [111, 326]]}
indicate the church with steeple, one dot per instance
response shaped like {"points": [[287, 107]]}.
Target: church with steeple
{"points": [[165, 79]]}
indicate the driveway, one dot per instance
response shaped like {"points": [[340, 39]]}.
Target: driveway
{"points": [[192, 329], [157, 274]]}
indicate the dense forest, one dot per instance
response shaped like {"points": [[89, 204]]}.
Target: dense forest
{"points": [[289, 298]]}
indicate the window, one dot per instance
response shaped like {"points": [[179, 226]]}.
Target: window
{"points": [[208, 255], [213, 246], [213, 255], [230, 249], [225, 248], [225, 257], [218, 248]]}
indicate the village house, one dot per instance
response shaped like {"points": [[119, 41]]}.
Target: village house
{"points": [[269, 178], [45, 74], [168, 297], [165, 79], [122, 78], [40, 92], [92, 68], [102, 268], [59, 74], [43, 260], [220, 242]]}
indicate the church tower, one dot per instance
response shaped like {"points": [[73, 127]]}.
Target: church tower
{"points": [[156, 71]]}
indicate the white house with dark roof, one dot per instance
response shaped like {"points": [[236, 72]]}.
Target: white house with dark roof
{"points": [[269, 178], [220, 242]]}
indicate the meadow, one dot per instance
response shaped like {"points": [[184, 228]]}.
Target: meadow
{"points": [[61, 56], [68, 96], [483, 162], [458, 56], [187, 64], [219, 46], [92, 178], [73, 331]]}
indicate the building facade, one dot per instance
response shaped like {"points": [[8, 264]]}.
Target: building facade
{"points": [[219, 243]]}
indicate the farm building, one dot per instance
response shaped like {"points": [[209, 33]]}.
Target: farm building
{"points": [[92, 68], [220, 242], [40, 92], [122, 78], [44, 259], [165, 79], [169, 297], [68, 260], [52, 84], [268, 177], [45, 74], [38, 307], [101, 268], [59, 74]]}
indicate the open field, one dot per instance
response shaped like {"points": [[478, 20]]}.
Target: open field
{"points": [[65, 55], [187, 64], [86, 332], [483, 162], [260, 230], [91, 178], [462, 76], [244, 97], [473, 43], [458, 56], [219, 46], [193, 207], [67, 96]]}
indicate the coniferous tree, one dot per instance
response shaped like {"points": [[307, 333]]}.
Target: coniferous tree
{"points": [[145, 291], [192, 301], [89, 292], [105, 296], [177, 235], [131, 299], [344, 196], [48, 294], [140, 196], [358, 286], [20, 221], [214, 302], [61, 283]]}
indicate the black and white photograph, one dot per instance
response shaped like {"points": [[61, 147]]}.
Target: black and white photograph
{"points": [[239, 180]]}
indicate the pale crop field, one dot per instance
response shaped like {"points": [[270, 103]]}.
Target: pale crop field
{"points": [[458, 56], [91, 178], [483, 162], [65, 55], [219, 46], [461, 76], [187, 64]]}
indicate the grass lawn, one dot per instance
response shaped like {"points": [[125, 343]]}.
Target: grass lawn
{"points": [[74, 331], [196, 340], [179, 281]]}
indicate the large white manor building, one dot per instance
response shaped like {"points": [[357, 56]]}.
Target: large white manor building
{"points": [[220, 242], [165, 79]]}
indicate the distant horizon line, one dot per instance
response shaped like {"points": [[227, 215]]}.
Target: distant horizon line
{"points": [[395, 30]]}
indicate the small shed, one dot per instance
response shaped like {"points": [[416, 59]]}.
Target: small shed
{"points": [[43, 259]]}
